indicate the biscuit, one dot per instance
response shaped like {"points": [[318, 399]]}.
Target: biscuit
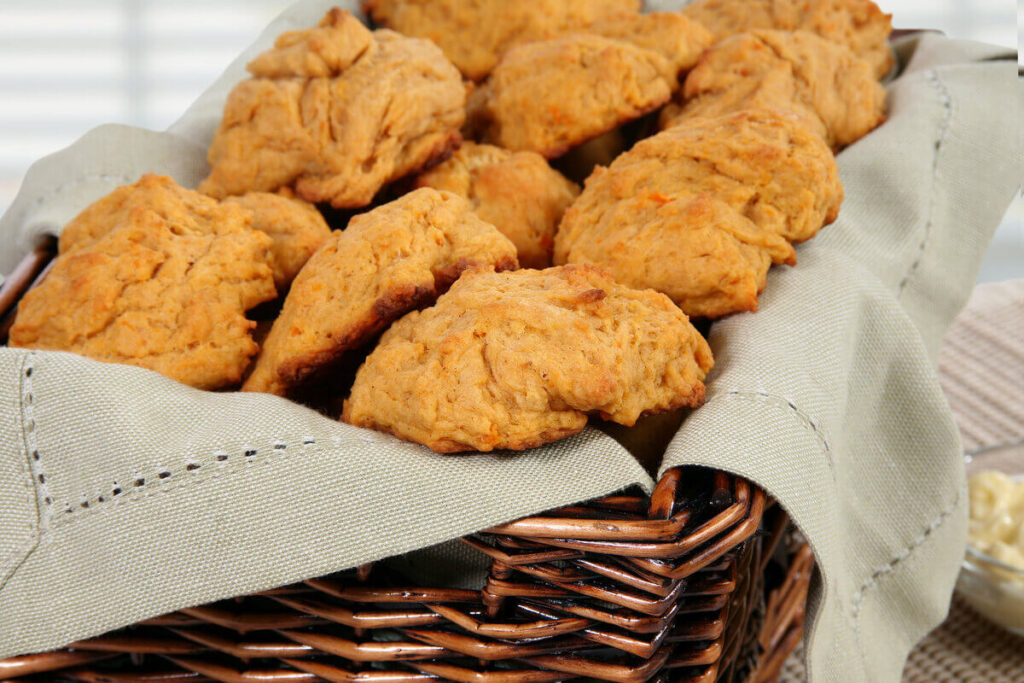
{"points": [[702, 210], [551, 95], [156, 193], [475, 34], [296, 228], [798, 70], [515, 360], [517, 192], [677, 38], [858, 24], [163, 287], [388, 261], [336, 112]]}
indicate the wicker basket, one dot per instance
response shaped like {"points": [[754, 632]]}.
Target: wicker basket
{"points": [[699, 582]]}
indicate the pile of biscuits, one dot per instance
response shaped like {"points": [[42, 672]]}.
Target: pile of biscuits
{"points": [[501, 305]]}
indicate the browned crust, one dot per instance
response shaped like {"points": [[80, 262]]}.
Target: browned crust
{"points": [[438, 155], [444, 150], [694, 400], [387, 309], [547, 436], [591, 295], [441, 152], [555, 151], [445, 277]]}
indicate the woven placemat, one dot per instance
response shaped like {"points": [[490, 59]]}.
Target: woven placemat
{"points": [[965, 648], [981, 367]]}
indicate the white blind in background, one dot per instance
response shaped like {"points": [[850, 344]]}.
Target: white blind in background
{"points": [[69, 65]]}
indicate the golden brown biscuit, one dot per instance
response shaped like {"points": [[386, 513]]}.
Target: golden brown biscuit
{"points": [[551, 95], [337, 112], [517, 192], [156, 193], [475, 34], [387, 262], [515, 360], [858, 24], [163, 287], [675, 37], [296, 227], [702, 210], [798, 70]]}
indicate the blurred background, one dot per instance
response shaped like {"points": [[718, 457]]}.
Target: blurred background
{"points": [[69, 65]]}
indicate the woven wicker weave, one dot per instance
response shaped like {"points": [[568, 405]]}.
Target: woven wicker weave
{"points": [[620, 589], [624, 588]]}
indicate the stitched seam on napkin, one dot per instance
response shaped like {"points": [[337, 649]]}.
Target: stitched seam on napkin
{"points": [[191, 471], [894, 564], [22, 552], [909, 550], [29, 427], [946, 99], [790, 408]]}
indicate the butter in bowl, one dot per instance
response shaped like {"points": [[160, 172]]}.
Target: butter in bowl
{"points": [[992, 576]]}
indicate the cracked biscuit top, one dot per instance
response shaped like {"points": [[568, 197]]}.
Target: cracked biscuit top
{"points": [[336, 112], [388, 261], [163, 286], [517, 192], [157, 193], [296, 227], [551, 95], [799, 71], [475, 34], [515, 360], [702, 210], [858, 24]]}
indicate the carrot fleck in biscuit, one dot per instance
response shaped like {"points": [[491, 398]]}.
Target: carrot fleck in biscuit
{"points": [[336, 112], [296, 228], [858, 24], [475, 34], [388, 261], [515, 360], [702, 210], [799, 71], [517, 192], [162, 285], [551, 95]]}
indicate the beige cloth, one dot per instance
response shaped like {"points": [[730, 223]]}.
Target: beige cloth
{"points": [[981, 367], [827, 397], [967, 649], [964, 649]]}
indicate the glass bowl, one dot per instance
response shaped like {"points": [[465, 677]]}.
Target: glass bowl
{"points": [[993, 588]]}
